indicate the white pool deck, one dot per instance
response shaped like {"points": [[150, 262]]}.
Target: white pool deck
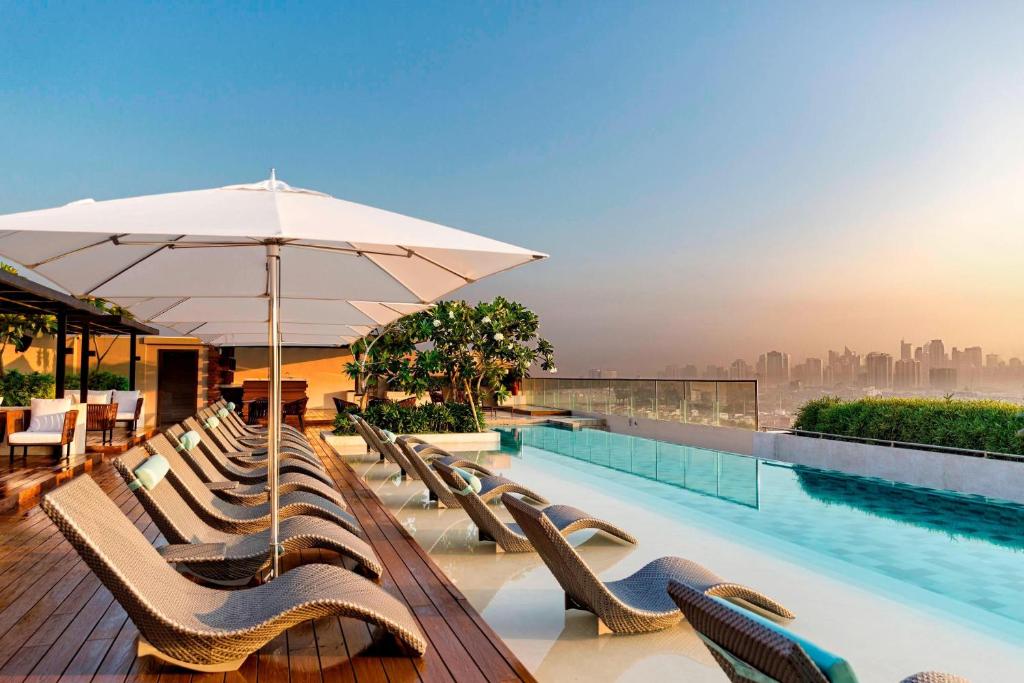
{"points": [[887, 632]]}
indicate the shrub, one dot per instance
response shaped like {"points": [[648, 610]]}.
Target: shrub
{"points": [[19, 389], [978, 425], [100, 380], [428, 418]]}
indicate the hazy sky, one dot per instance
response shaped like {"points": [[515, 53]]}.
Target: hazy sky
{"points": [[711, 180]]}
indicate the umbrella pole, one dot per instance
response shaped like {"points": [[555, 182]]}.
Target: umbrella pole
{"points": [[274, 398]]}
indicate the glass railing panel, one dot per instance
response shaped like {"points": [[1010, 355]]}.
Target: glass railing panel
{"points": [[645, 395], [703, 403], [737, 478], [702, 471], [730, 404], [671, 400], [620, 452], [671, 463], [645, 458], [737, 402], [600, 447]]}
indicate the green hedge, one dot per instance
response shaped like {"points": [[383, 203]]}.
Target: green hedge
{"points": [[427, 418], [18, 389], [978, 425], [100, 381]]}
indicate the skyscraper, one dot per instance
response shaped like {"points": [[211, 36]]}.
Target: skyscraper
{"points": [[774, 367], [879, 369], [905, 350], [906, 374], [936, 351], [740, 369]]}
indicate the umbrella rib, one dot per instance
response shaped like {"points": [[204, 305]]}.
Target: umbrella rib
{"points": [[124, 270], [57, 257], [413, 252]]}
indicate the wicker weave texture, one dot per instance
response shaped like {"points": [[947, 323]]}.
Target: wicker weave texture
{"points": [[201, 625]]}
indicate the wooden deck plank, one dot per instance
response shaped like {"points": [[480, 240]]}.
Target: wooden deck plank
{"points": [[58, 623]]}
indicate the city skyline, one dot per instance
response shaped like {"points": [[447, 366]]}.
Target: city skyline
{"points": [[906, 368]]}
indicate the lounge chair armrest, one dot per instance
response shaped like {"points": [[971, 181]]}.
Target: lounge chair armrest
{"points": [[221, 485], [193, 552]]}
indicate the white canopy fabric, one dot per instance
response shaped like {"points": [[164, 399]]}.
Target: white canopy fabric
{"points": [[249, 263], [153, 254]]}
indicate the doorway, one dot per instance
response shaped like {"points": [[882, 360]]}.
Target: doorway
{"points": [[177, 389]]}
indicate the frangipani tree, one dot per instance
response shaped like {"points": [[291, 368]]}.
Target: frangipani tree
{"points": [[476, 349]]}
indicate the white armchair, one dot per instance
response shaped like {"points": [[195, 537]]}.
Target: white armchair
{"points": [[52, 423]]}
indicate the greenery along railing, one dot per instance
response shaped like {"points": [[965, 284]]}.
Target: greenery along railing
{"points": [[725, 403]]}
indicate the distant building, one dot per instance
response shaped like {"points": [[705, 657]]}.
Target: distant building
{"points": [[671, 372], [690, 371], [773, 367], [879, 370], [993, 360], [936, 352], [740, 369], [715, 372], [942, 378], [905, 350], [906, 374], [843, 368], [810, 373], [603, 374]]}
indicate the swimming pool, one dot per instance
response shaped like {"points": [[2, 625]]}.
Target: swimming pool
{"points": [[896, 579], [966, 549]]}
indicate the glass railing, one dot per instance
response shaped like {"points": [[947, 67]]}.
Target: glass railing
{"points": [[721, 403], [723, 475]]}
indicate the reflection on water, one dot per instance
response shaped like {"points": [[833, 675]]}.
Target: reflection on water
{"points": [[728, 476], [959, 517]]}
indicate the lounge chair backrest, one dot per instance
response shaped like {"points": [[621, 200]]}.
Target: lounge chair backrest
{"points": [[188, 483], [150, 590], [209, 445], [480, 512], [173, 516], [196, 458], [575, 577], [744, 640], [219, 434]]}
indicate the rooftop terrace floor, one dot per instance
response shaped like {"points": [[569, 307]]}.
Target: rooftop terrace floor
{"points": [[58, 623]]}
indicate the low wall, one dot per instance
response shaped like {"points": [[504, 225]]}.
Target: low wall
{"points": [[964, 474], [474, 441], [728, 439]]}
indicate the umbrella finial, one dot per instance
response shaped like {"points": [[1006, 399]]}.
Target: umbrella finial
{"points": [[273, 176]]}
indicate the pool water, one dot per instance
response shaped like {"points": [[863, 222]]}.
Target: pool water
{"points": [[966, 549]]}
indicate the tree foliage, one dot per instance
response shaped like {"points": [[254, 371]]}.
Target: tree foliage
{"points": [[467, 351]]}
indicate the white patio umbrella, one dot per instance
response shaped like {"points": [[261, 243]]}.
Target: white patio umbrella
{"points": [[258, 253]]}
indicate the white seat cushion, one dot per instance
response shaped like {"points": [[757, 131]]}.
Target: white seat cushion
{"points": [[34, 438], [125, 401], [125, 416], [101, 397], [48, 415]]}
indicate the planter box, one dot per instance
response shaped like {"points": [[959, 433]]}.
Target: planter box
{"points": [[473, 441], [963, 474]]}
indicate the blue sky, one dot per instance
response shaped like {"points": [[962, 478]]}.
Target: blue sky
{"points": [[712, 180]]}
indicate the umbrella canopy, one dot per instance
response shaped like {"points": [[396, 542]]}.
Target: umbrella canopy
{"points": [[264, 253], [164, 258]]}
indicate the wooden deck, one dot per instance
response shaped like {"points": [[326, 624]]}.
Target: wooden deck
{"points": [[57, 623]]}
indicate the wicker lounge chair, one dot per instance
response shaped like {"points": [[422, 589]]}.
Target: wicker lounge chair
{"points": [[250, 489], [289, 449], [376, 441], [240, 519], [234, 423], [491, 486], [206, 629], [751, 651], [509, 537], [226, 558], [638, 603], [244, 459]]}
